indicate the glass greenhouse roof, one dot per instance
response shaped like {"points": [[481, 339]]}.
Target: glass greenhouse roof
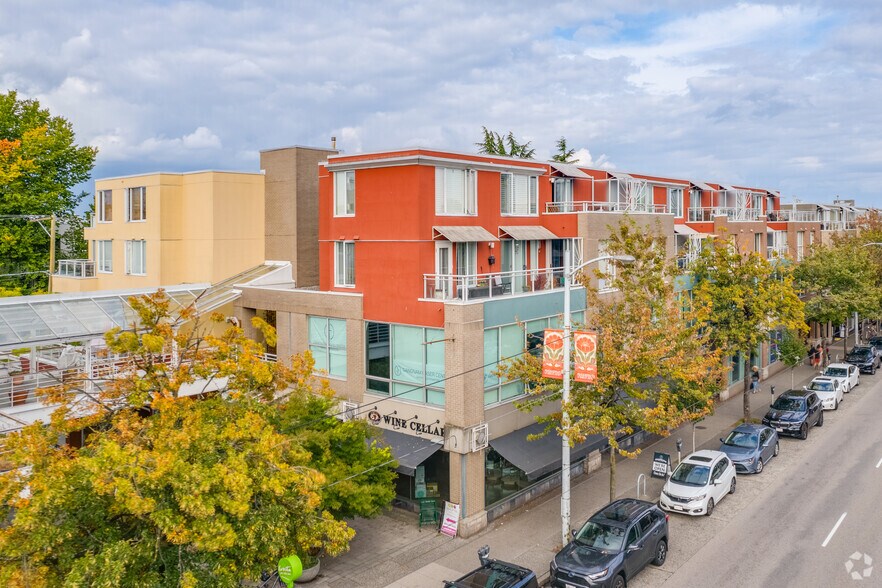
{"points": [[53, 318]]}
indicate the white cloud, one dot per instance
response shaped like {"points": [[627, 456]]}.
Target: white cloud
{"points": [[768, 94]]}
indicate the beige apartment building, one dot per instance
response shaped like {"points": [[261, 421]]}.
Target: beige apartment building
{"points": [[169, 228]]}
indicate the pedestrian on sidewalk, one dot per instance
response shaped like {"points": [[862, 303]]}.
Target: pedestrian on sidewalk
{"points": [[813, 356], [754, 380]]}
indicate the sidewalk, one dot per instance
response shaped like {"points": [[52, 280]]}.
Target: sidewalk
{"points": [[391, 551]]}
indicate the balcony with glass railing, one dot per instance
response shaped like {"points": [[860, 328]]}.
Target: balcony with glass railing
{"points": [[453, 287], [76, 268], [707, 214], [615, 207], [793, 216]]}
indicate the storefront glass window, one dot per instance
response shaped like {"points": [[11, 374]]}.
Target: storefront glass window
{"points": [[501, 478], [327, 342], [406, 360]]}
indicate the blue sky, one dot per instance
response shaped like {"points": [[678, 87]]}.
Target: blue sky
{"points": [[775, 95]]}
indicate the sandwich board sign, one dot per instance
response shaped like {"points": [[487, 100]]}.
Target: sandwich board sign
{"points": [[661, 464]]}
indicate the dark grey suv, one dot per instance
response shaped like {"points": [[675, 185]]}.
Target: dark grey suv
{"points": [[613, 546], [495, 574], [794, 413]]}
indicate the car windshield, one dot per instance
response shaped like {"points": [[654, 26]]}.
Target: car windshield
{"points": [[836, 372], [789, 403], [742, 439], [691, 474], [603, 537], [821, 386], [859, 354]]}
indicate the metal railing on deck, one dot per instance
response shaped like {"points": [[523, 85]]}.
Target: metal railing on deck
{"points": [[76, 268], [707, 214], [479, 286], [587, 206]]}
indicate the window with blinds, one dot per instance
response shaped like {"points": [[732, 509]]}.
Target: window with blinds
{"points": [[344, 274], [344, 193], [455, 191], [519, 195]]}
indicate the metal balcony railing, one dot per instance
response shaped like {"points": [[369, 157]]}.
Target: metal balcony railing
{"points": [[793, 216], [479, 286], [707, 214], [76, 268], [777, 252], [587, 206]]}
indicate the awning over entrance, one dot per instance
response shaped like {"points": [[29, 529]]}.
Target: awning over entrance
{"points": [[409, 450], [464, 234], [569, 170], [529, 233], [684, 230], [542, 456]]}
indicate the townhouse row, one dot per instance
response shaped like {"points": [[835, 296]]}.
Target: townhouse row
{"points": [[415, 272]]}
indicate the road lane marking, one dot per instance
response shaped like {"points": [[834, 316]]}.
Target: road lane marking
{"points": [[833, 530], [879, 464]]}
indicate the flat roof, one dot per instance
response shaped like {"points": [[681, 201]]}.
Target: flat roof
{"points": [[186, 173]]}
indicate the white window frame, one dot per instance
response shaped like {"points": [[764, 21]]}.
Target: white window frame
{"points": [[104, 197], [518, 208], [800, 245], [343, 197], [103, 255], [130, 257], [347, 248], [562, 191], [674, 198], [142, 191], [606, 266], [444, 181]]}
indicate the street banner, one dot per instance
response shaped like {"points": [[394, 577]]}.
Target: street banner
{"points": [[585, 356], [450, 522], [552, 354]]}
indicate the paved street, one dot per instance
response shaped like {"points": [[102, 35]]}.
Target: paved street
{"points": [[778, 529]]}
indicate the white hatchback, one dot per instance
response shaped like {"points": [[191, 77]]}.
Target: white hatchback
{"points": [[829, 390], [699, 483], [848, 374]]}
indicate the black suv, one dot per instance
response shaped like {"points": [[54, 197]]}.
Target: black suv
{"points": [[865, 358], [495, 574], [794, 412], [613, 546]]}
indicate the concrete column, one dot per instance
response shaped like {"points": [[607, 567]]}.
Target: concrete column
{"points": [[468, 491]]}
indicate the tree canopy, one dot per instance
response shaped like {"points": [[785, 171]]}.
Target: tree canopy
{"points": [[40, 164], [654, 369], [172, 488], [495, 144], [742, 297], [564, 153]]}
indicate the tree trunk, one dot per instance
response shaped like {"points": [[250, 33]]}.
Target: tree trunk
{"points": [[746, 395], [612, 474], [845, 340], [793, 369]]}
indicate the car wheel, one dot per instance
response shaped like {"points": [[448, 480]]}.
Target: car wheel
{"points": [[803, 431], [777, 448], [821, 419], [619, 582], [835, 405], [661, 553], [732, 486], [709, 510], [759, 467]]}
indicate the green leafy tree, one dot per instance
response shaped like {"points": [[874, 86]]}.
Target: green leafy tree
{"points": [[839, 280], [40, 164], [741, 297], [654, 369], [564, 153], [171, 489], [792, 351], [493, 143]]}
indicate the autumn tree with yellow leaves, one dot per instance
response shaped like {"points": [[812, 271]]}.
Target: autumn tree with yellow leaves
{"points": [[203, 465], [655, 370]]}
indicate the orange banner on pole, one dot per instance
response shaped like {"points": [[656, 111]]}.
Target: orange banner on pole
{"points": [[552, 354], [585, 356]]}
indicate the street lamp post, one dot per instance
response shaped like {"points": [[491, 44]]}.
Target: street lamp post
{"points": [[569, 274]]}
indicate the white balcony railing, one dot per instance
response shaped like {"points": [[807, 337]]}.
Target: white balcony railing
{"points": [[777, 252], [586, 206], [707, 214], [793, 216], [76, 268], [480, 286]]}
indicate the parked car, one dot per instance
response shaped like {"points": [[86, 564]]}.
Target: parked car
{"points": [[877, 343], [614, 544], [794, 413], [750, 447], [865, 358], [699, 483], [829, 390], [495, 574], [848, 374]]}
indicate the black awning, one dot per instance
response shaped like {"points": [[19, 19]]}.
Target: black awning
{"points": [[542, 456], [408, 450]]}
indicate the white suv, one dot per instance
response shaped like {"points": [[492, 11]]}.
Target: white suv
{"points": [[699, 483], [848, 374]]}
